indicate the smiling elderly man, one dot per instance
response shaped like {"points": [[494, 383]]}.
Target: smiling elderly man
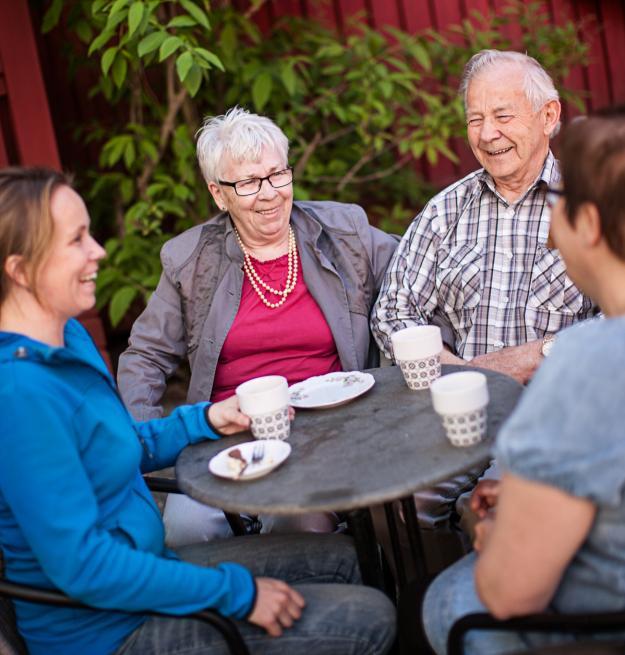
{"points": [[476, 260]]}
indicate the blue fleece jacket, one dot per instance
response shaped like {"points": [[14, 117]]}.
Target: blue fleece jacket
{"points": [[75, 513]]}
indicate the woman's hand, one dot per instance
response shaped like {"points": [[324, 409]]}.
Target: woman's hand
{"points": [[226, 418], [484, 497], [277, 606], [482, 533]]}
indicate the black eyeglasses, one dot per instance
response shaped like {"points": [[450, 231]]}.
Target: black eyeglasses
{"points": [[553, 195], [253, 184]]}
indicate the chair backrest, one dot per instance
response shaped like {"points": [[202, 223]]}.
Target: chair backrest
{"points": [[10, 641]]}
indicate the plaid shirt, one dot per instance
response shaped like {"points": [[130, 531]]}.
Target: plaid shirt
{"points": [[480, 268]]}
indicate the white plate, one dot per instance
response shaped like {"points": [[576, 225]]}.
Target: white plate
{"points": [[330, 390], [276, 452]]}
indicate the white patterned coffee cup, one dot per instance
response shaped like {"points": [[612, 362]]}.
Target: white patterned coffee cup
{"points": [[420, 373], [466, 429], [416, 342], [461, 400], [266, 401], [273, 425]]}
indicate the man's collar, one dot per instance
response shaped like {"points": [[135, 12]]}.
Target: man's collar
{"points": [[549, 175]]}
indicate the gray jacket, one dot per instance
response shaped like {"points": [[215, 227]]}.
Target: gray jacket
{"points": [[197, 298]]}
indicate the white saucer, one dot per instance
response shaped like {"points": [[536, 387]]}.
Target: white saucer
{"points": [[276, 452], [330, 390]]}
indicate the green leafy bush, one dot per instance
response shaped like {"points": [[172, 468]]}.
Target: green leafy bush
{"points": [[359, 110]]}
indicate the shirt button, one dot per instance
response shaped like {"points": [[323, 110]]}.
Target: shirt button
{"points": [[21, 353], [509, 213], [498, 344], [505, 299]]}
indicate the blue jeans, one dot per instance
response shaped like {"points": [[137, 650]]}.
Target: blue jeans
{"points": [[340, 616], [451, 596]]}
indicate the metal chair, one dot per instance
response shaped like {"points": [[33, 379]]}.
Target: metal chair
{"points": [[577, 624]]}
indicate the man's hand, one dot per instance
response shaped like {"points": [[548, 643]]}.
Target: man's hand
{"points": [[226, 417], [447, 357], [519, 362], [484, 497], [277, 606]]}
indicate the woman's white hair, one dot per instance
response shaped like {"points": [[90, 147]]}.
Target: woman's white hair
{"points": [[239, 134], [538, 85]]}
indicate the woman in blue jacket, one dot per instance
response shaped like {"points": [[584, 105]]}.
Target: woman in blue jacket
{"points": [[75, 513]]}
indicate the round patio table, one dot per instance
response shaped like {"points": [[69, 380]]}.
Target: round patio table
{"points": [[382, 446]]}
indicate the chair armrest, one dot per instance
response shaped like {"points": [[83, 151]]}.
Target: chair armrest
{"points": [[545, 622], [164, 485], [222, 624]]}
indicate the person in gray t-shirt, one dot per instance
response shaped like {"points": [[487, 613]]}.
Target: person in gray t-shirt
{"points": [[557, 539]]}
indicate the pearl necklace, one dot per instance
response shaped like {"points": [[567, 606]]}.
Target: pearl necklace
{"points": [[256, 280]]}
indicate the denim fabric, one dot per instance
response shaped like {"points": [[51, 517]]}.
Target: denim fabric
{"points": [[340, 615], [451, 596]]}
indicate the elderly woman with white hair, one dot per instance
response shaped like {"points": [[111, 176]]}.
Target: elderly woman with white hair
{"points": [[268, 286]]}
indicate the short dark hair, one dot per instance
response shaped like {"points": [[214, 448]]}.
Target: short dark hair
{"points": [[593, 171]]}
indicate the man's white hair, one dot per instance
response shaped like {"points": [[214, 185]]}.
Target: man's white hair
{"points": [[538, 85], [240, 135]]}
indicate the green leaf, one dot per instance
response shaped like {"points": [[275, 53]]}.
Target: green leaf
{"points": [[183, 65], [130, 154], [84, 31], [197, 13], [120, 303], [52, 16], [100, 40], [120, 68], [228, 40], [118, 5], [289, 79], [168, 47], [150, 43], [331, 50], [107, 60], [193, 80], [210, 57], [182, 21], [149, 149], [135, 15], [261, 90], [96, 6], [422, 56]]}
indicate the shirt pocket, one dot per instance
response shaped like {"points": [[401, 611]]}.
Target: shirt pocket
{"points": [[459, 281], [551, 288]]}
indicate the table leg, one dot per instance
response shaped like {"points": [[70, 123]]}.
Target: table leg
{"points": [[414, 537], [391, 522], [361, 527]]}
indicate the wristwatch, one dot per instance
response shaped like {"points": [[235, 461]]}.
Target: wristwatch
{"points": [[547, 345]]}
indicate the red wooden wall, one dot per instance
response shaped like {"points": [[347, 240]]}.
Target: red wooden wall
{"points": [[27, 135], [603, 80]]}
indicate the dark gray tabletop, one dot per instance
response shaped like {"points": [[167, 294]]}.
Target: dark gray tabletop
{"points": [[383, 445]]}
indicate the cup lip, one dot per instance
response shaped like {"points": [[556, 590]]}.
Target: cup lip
{"points": [[459, 393], [279, 380], [445, 385], [407, 332]]}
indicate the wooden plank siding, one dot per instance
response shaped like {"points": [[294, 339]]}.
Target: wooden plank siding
{"points": [[27, 134]]}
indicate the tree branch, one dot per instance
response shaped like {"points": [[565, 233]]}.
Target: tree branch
{"points": [[175, 100]]}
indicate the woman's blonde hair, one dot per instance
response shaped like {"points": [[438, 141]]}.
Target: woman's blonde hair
{"points": [[26, 223]]}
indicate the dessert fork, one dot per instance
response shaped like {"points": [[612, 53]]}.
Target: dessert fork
{"points": [[258, 453]]}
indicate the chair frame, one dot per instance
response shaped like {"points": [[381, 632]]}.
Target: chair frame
{"points": [[546, 622]]}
